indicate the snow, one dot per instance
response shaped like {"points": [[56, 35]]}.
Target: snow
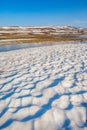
{"points": [[44, 88], [10, 40]]}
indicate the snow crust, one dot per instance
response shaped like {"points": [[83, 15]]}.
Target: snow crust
{"points": [[44, 88]]}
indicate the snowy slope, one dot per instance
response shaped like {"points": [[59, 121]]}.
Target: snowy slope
{"points": [[44, 88]]}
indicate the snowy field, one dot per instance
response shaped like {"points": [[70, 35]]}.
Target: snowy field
{"points": [[44, 88]]}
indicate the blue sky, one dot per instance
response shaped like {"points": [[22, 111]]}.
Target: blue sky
{"points": [[43, 12]]}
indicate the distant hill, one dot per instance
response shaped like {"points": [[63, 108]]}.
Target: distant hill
{"points": [[57, 30], [19, 34]]}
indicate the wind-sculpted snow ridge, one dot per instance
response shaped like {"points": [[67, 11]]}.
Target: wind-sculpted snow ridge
{"points": [[44, 88]]}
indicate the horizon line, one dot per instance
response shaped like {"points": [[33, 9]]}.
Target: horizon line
{"points": [[41, 26]]}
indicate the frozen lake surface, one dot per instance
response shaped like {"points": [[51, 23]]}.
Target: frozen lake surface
{"points": [[10, 47]]}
